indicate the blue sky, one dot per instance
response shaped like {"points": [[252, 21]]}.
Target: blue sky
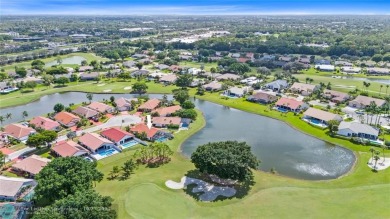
{"points": [[136, 7]]}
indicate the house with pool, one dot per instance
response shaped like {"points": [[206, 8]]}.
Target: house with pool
{"points": [[98, 146], [336, 96], [151, 134], [69, 149], [236, 92], [167, 111], [319, 117], [67, 119], [262, 97], [12, 189], [101, 107], [356, 129], [304, 89], [286, 104], [119, 137], [164, 122], [361, 102], [86, 112]]}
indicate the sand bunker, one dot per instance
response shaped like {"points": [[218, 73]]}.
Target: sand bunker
{"points": [[380, 165], [127, 88], [99, 85], [106, 91], [210, 191]]}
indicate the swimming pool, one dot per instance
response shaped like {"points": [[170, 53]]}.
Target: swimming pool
{"points": [[129, 144], [282, 110], [161, 139], [106, 152]]}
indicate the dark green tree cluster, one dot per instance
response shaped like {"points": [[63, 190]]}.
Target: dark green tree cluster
{"points": [[155, 154], [43, 137]]}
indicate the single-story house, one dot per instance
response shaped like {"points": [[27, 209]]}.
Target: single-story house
{"points": [[139, 73], [361, 102], [95, 142], [322, 62], [304, 60], [31, 165], [378, 71], [117, 135], [151, 134], [129, 64], [285, 59], [304, 89], [161, 66], [324, 67], [19, 131], [123, 104], [211, 75], [336, 96], [277, 85], [356, 129], [85, 68], [315, 116], [145, 61], [236, 91], [167, 111], [343, 63], [101, 107], [175, 68], [69, 149], [213, 86], [89, 76], [12, 188], [193, 71], [149, 105], [163, 122], [168, 78], [85, 112], [67, 119], [287, 104], [196, 82], [45, 123], [262, 97], [350, 69], [228, 76]]}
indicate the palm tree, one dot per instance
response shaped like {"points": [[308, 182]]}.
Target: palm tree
{"points": [[376, 158], [1, 119], [8, 116], [387, 87], [383, 152], [372, 150], [89, 97], [24, 114], [380, 89]]}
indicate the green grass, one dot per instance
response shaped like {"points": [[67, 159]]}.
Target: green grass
{"points": [[360, 193]]}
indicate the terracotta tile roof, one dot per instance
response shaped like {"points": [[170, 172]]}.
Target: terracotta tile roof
{"points": [[122, 102], [65, 117], [68, 148], [322, 115], [85, 112], [364, 100], [101, 107], [167, 110], [33, 164], [166, 120], [93, 141], [44, 123], [144, 128], [293, 104], [18, 131], [303, 87], [115, 134], [150, 104], [6, 151]]}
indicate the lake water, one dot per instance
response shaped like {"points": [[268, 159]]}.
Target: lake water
{"points": [[73, 60], [379, 80], [276, 144]]}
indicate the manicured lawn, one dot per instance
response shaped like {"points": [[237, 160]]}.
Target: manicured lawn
{"points": [[361, 193]]}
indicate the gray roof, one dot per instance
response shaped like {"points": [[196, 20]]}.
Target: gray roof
{"points": [[359, 128], [11, 186], [278, 83]]}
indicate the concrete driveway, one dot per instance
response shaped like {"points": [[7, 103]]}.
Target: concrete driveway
{"points": [[121, 120]]}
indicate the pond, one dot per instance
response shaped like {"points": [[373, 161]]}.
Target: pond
{"points": [[276, 144], [73, 60], [379, 80]]}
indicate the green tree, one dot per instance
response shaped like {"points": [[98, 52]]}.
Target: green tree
{"points": [[30, 84], [139, 65], [128, 168], [228, 160], [89, 96], [24, 115], [188, 105], [63, 177], [62, 81], [377, 58], [181, 95], [240, 68], [21, 71], [114, 173], [140, 87], [2, 160], [333, 126], [58, 107], [184, 80], [2, 119], [81, 204], [187, 113]]}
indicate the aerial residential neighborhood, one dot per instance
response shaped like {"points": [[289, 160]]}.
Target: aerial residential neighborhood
{"points": [[191, 114]]}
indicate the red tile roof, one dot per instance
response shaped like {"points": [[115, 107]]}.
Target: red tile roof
{"points": [[166, 120], [167, 110], [65, 117], [115, 134], [150, 104], [44, 123], [6, 151], [101, 107], [67, 148], [293, 104], [93, 141], [33, 164], [144, 128], [18, 131]]}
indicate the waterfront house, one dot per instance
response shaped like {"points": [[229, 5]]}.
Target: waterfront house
{"points": [[31, 165], [95, 142], [123, 104], [149, 105], [262, 97], [19, 131], [213, 86], [101, 107], [67, 119], [69, 149], [89, 76], [378, 71], [362, 102], [356, 129], [85, 68], [86, 112], [320, 117], [304, 89], [12, 189], [167, 111], [164, 122], [152, 134], [117, 135], [168, 78], [45, 123], [286, 104], [350, 69], [277, 85], [237, 91], [324, 67]]}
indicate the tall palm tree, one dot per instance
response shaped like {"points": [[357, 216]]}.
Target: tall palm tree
{"points": [[24, 114], [8, 116], [387, 87], [380, 89], [372, 150], [376, 158], [1, 119], [383, 152], [89, 97]]}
